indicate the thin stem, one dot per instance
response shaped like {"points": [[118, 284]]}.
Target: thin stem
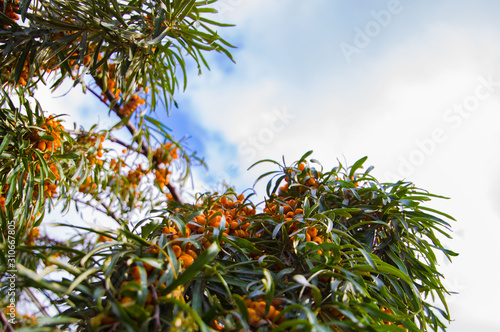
{"points": [[157, 308], [107, 210], [6, 324]]}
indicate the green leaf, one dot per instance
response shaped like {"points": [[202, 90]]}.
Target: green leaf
{"points": [[242, 307], [201, 324], [21, 61], [204, 258], [5, 142], [368, 258], [358, 164], [304, 156], [79, 279]]}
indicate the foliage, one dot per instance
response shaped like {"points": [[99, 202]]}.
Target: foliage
{"points": [[330, 250], [126, 44]]}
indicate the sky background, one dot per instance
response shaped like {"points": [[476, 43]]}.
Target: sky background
{"points": [[413, 85]]}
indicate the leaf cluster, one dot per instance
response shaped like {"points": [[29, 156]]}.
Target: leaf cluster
{"points": [[136, 44], [327, 251]]}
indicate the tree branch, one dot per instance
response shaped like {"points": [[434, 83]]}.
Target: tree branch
{"points": [[144, 149]]}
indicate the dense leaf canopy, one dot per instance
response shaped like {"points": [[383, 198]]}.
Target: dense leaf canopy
{"points": [[326, 250]]}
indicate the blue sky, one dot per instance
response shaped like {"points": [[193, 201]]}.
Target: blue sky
{"points": [[420, 96]]}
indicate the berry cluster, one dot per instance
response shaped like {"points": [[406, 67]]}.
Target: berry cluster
{"points": [[163, 157], [3, 192], [93, 155], [131, 105], [32, 236], [10, 9], [259, 316], [48, 141]]}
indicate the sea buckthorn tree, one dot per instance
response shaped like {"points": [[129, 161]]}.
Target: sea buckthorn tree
{"points": [[327, 249]]}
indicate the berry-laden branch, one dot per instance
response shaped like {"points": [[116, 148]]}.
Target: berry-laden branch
{"points": [[144, 149]]}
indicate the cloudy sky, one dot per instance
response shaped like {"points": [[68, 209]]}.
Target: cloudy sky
{"points": [[413, 85]]}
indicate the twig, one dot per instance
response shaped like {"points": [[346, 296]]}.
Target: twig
{"points": [[6, 324], [98, 96], [111, 138], [107, 212], [157, 308], [118, 141]]}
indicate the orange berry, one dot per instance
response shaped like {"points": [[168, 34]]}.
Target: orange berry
{"points": [[177, 251], [317, 239], [312, 231], [260, 308], [201, 220], [135, 273], [311, 182], [169, 230], [215, 220], [272, 313], [102, 238], [281, 319], [186, 260], [254, 317], [191, 253], [41, 145]]}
